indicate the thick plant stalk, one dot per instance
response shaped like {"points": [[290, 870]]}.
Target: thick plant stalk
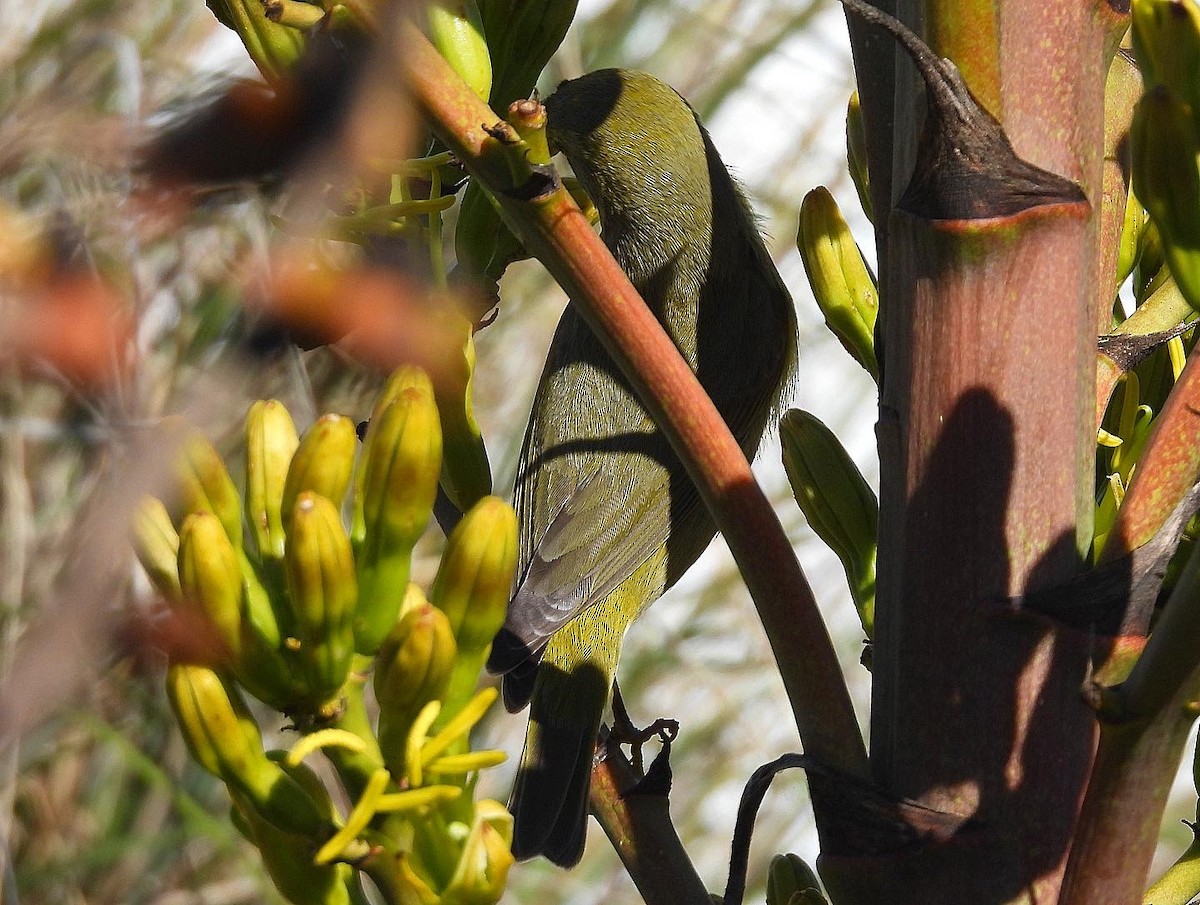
{"points": [[986, 439]]}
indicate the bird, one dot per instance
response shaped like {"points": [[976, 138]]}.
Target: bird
{"points": [[609, 518]]}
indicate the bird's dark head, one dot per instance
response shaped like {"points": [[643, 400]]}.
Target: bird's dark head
{"points": [[636, 146]]}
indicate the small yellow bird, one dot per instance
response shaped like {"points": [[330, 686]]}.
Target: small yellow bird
{"points": [[609, 518]]}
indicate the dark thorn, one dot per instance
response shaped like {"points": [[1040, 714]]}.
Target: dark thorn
{"points": [[966, 167], [1127, 350]]}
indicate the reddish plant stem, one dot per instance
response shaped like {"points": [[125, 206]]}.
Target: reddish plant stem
{"points": [[1145, 724], [640, 830], [552, 228], [1168, 468]]}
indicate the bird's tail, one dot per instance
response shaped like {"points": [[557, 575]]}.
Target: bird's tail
{"points": [[549, 802]]}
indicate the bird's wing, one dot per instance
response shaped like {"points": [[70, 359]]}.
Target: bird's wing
{"points": [[599, 536]]}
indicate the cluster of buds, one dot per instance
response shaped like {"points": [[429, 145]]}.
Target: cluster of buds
{"points": [[499, 49], [1165, 133], [297, 610]]}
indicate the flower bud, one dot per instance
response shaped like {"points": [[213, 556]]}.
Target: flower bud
{"points": [[843, 286], [1166, 42], [403, 459], [456, 30], [270, 444], [522, 37], [856, 154], [205, 486], [323, 463], [210, 579], [837, 502], [472, 588], [1166, 176], [466, 475], [274, 48], [412, 669], [156, 544], [1134, 224], [215, 580], [224, 738], [792, 882], [323, 591], [402, 379]]}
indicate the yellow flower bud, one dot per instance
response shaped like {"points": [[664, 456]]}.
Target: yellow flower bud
{"points": [[403, 459], [323, 591], [224, 738], [412, 669], [472, 588], [156, 544], [211, 580], [841, 283], [270, 444], [323, 463]]}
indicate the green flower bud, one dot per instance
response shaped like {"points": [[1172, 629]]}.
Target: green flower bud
{"points": [[205, 486], [1166, 42], [404, 378], [792, 882], [456, 30], [843, 286], [1166, 176], [522, 36], [1135, 223], [270, 444], [412, 669], [323, 463], [225, 740], [156, 544], [403, 459], [472, 588], [211, 580], [323, 591], [466, 475], [856, 154], [837, 502], [482, 870], [274, 48]]}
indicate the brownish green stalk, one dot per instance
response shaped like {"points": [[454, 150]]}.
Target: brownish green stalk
{"points": [[640, 830], [1168, 468], [1144, 725]]}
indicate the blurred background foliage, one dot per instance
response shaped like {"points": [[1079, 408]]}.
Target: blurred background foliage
{"points": [[100, 803]]}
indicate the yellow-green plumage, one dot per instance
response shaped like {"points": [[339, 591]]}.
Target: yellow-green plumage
{"points": [[609, 518]]}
